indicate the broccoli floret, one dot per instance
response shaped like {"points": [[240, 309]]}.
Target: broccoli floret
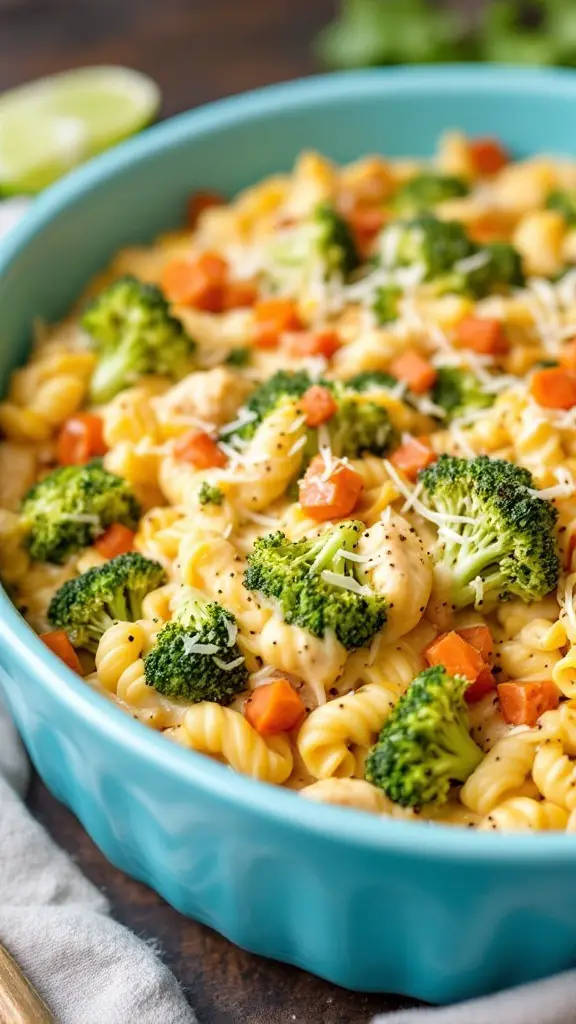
{"points": [[195, 656], [265, 399], [210, 495], [508, 546], [426, 190], [88, 604], [436, 245], [134, 334], [385, 305], [323, 240], [459, 392], [358, 425], [425, 744], [292, 574], [72, 506], [335, 242], [372, 380], [564, 202], [239, 357], [500, 271]]}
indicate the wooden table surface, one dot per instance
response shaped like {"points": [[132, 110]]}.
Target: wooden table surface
{"points": [[197, 50]]}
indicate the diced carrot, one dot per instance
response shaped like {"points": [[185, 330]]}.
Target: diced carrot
{"points": [[59, 644], [492, 226], [568, 356], [312, 343], [489, 155], [178, 280], [458, 657], [365, 223], [197, 447], [239, 294], [481, 638], [523, 703], [415, 370], [554, 388], [480, 687], [367, 220], [413, 455], [484, 335], [274, 707], [318, 405], [80, 439], [116, 540], [272, 317], [331, 498], [199, 283], [200, 201]]}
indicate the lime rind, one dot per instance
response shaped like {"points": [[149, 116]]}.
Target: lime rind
{"points": [[55, 123]]}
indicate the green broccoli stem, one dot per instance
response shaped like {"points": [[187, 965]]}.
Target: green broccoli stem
{"points": [[114, 368], [467, 564], [191, 613], [344, 537], [481, 547], [123, 609], [459, 755]]}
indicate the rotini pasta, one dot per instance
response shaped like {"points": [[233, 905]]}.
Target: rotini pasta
{"points": [[555, 774], [521, 814], [505, 767], [354, 793], [354, 720], [224, 733], [120, 670]]}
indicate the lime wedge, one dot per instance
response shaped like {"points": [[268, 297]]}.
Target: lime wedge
{"points": [[53, 124]]}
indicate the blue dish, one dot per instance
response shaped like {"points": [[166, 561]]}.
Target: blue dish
{"points": [[371, 904]]}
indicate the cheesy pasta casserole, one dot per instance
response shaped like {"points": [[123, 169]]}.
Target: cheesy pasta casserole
{"points": [[296, 485]]}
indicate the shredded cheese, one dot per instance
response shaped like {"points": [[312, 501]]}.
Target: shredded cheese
{"points": [[227, 666], [438, 518], [298, 422], [232, 630], [563, 489], [461, 442], [474, 262], [191, 646], [325, 450], [566, 600], [256, 517], [244, 416], [231, 453], [335, 579], [477, 585], [297, 446]]}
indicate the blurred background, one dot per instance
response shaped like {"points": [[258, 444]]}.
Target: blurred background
{"points": [[198, 50]]}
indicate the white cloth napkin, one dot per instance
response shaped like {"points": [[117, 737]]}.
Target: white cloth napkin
{"points": [[87, 968], [544, 1002]]}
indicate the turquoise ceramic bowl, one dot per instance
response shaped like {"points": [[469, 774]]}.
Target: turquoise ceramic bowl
{"points": [[370, 904]]}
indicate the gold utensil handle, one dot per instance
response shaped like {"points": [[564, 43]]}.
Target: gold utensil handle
{"points": [[19, 1002]]}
